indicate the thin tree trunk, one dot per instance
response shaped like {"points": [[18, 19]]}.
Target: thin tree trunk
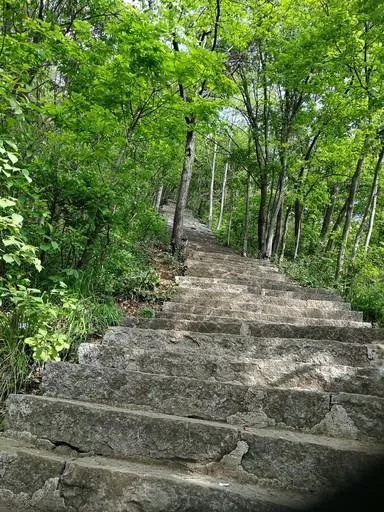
{"points": [[328, 212], [246, 217], [159, 196], [298, 204], [375, 188], [275, 212], [349, 210], [262, 218], [229, 229], [284, 235], [336, 225], [178, 222], [371, 204], [223, 185], [371, 223], [298, 223], [212, 186], [278, 231]]}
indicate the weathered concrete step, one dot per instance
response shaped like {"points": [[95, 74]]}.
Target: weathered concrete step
{"points": [[326, 352], [249, 301], [248, 371], [336, 415], [250, 316], [261, 329], [310, 462], [34, 480], [251, 311], [240, 286]]}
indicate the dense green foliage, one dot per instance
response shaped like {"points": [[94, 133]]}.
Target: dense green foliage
{"points": [[83, 149], [97, 98]]}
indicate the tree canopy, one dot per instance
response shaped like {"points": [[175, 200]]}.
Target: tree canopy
{"points": [[266, 116]]}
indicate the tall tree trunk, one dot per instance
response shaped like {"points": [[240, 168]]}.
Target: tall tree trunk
{"points": [[189, 157], [374, 191], [246, 217], [349, 209], [223, 185], [212, 186]]}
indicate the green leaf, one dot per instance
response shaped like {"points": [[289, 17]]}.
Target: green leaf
{"points": [[25, 173], [13, 158], [6, 202], [17, 218], [8, 258]]}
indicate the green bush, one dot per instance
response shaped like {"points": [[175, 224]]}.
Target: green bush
{"points": [[366, 291], [146, 312], [318, 272]]}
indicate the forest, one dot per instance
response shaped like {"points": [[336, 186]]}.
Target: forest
{"points": [[265, 117]]}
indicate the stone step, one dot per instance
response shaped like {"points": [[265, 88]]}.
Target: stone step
{"points": [[230, 271], [214, 250], [219, 257], [326, 352], [242, 370], [256, 286], [336, 415], [196, 258], [261, 329], [249, 302], [233, 293], [47, 481], [250, 316], [236, 311], [239, 276], [311, 463], [214, 269]]}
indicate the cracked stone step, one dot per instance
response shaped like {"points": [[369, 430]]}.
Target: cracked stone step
{"points": [[251, 316], [336, 415], [261, 329], [34, 480], [260, 307], [248, 371], [327, 352], [250, 302], [311, 463], [245, 285]]}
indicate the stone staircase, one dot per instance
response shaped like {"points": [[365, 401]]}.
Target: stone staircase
{"points": [[247, 393]]}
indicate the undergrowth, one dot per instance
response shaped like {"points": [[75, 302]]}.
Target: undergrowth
{"points": [[362, 284]]}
